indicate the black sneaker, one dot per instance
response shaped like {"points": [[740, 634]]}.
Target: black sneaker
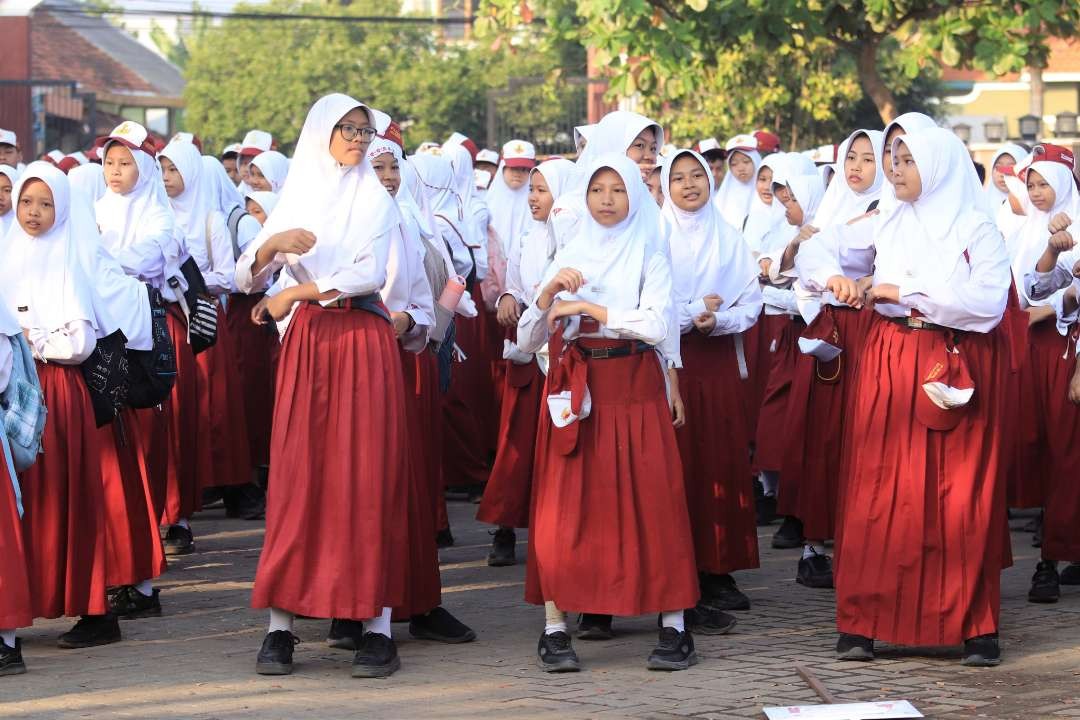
{"points": [[982, 651], [674, 651], [789, 535], [345, 634], [440, 626], [721, 592], [555, 653], [503, 546], [815, 571], [11, 660], [1070, 575], [709, 621], [443, 539], [275, 655], [91, 631], [594, 627], [179, 540], [764, 505], [1045, 583], [376, 657], [130, 604], [854, 647]]}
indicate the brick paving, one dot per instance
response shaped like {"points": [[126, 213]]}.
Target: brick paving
{"points": [[197, 661]]}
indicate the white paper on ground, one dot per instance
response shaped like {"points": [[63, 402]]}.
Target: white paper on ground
{"points": [[845, 711]]}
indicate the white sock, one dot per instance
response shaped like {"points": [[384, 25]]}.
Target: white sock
{"points": [[555, 619], [183, 522], [673, 619], [145, 588], [380, 623], [813, 548], [8, 636], [770, 480], [280, 620]]}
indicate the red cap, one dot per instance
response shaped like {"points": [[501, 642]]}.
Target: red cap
{"points": [[1046, 152], [256, 142], [393, 134], [94, 151], [519, 154], [767, 142], [465, 143], [67, 164], [131, 135]]}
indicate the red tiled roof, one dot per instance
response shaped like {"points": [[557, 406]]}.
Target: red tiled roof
{"points": [[60, 53], [1064, 57]]}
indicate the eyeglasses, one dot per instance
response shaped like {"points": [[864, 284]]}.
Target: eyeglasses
{"points": [[350, 132]]}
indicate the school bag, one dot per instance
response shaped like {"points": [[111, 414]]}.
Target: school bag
{"points": [[22, 405], [233, 223], [153, 372], [107, 376]]}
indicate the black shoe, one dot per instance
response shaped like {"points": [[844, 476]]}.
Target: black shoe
{"points": [[179, 540], [674, 651], [503, 547], [709, 621], [982, 651], [555, 653], [345, 634], [721, 592], [815, 571], [1070, 575], [91, 631], [764, 505], [213, 497], [376, 657], [275, 655], [130, 604], [1045, 583], [440, 626], [854, 647], [11, 660], [1036, 539], [789, 535], [594, 627], [443, 539]]}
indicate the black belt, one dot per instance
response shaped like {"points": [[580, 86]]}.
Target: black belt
{"points": [[918, 324], [606, 353], [371, 303]]}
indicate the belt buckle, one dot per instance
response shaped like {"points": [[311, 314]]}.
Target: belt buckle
{"points": [[600, 353], [917, 323]]}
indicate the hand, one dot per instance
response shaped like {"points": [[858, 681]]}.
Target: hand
{"points": [[765, 264], [508, 312], [864, 284], [678, 408], [805, 233], [705, 323], [561, 309], [280, 305], [259, 315], [712, 302], [885, 293], [296, 241], [567, 279], [1074, 386], [1076, 269], [1037, 313], [845, 290], [401, 322], [1060, 242], [1059, 223]]}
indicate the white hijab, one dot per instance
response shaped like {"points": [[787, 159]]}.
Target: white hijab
{"points": [[89, 181], [510, 216], [274, 167], [436, 179], [762, 218], [908, 122], [346, 208], [1017, 153], [1027, 244], [226, 195], [841, 203], [708, 255], [537, 246], [1008, 222], [192, 207], [264, 199], [8, 218], [808, 191], [734, 197], [144, 211], [465, 188]]}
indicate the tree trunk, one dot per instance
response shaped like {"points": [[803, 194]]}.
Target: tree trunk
{"points": [[872, 84], [1035, 99]]}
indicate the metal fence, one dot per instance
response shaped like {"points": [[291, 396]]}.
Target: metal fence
{"points": [[531, 109], [47, 114]]}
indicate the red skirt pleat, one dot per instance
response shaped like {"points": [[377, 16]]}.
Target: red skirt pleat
{"points": [[132, 542], [769, 441], [16, 609], [224, 455], [64, 503], [921, 535], [423, 586], [716, 472], [255, 354], [336, 540], [467, 407], [1052, 362], [757, 344], [610, 530], [1028, 464], [506, 497], [171, 440], [154, 441], [817, 406]]}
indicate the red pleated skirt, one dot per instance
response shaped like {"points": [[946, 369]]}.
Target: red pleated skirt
{"points": [[770, 443], [818, 403], [758, 345], [1028, 463], [610, 531], [133, 545], [224, 455], [921, 537], [336, 539], [468, 406], [1051, 363], [507, 495], [64, 503], [715, 452], [255, 354], [423, 586], [16, 609]]}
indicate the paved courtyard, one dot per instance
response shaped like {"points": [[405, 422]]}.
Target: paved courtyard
{"points": [[197, 661]]}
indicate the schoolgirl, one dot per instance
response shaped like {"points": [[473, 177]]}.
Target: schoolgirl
{"points": [[268, 171], [997, 192], [736, 192], [8, 177]]}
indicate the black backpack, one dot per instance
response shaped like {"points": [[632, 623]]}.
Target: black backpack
{"points": [[233, 222], [153, 372], [107, 377]]}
